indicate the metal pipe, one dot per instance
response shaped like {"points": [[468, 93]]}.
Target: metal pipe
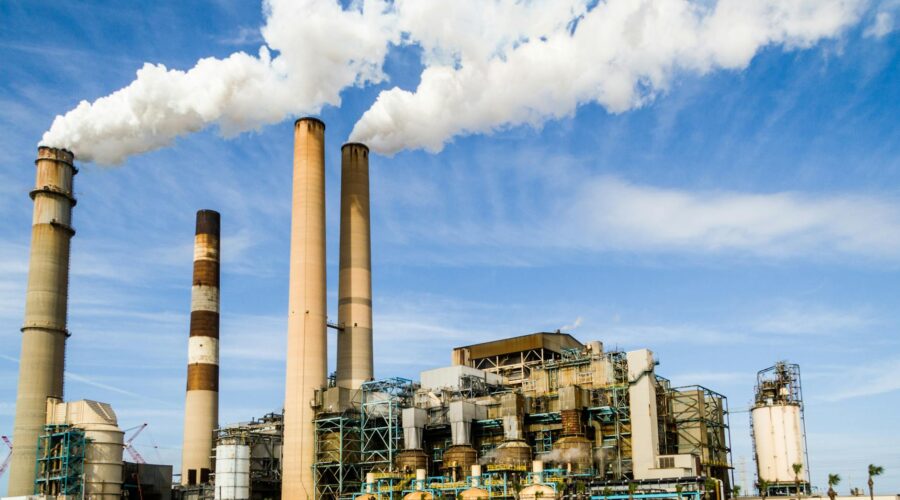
{"points": [[306, 338], [354, 340], [201, 407], [44, 334]]}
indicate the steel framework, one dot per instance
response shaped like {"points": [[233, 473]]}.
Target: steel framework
{"points": [[337, 473], [380, 426], [59, 468]]}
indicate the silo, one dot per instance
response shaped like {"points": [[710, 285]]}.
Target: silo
{"points": [[779, 438]]}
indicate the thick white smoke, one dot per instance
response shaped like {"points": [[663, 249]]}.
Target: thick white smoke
{"points": [[619, 55], [488, 64], [321, 49]]}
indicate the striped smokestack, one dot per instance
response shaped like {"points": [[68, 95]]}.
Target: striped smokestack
{"points": [[42, 360], [306, 340], [354, 345], [201, 406]]}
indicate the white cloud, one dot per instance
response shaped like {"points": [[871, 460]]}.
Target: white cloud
{"points": [[871, 377], [620, 55], [881, 26], [488, 65], [812, 320], [610, 213]]}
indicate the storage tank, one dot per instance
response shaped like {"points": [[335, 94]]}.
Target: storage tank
{"points": [[411, 460], [232, 471], [103, 453], [458, 460], [512, 453], [779, 438]]}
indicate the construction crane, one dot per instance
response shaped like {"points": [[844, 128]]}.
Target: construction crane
{"points": [[138, 459], [6, 460]]}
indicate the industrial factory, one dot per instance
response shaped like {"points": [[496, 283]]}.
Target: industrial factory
{"points": [[541, 415]]}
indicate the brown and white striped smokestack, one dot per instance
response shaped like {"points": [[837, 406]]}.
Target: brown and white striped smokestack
{"points": [[201, 405], [42, 359], [354, 343], [306, 340]]}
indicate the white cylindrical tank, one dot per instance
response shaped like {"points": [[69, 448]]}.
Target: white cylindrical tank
{"points": [[778, 437], [103, 453], [232, 472]]}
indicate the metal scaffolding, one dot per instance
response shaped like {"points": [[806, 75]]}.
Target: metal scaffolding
{"points": [[380, 426], [702, 424], [59, 468], [337, 473]]}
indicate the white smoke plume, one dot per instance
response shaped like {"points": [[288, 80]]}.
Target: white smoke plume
{"points": [[321, 50], [620, 55], [575, 324], [488, 64], [562, 456]]}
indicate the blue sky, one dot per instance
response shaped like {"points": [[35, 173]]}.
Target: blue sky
{"points": [[739, 217]]}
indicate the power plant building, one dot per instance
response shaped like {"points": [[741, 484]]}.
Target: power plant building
{"points": [[542, 415]]}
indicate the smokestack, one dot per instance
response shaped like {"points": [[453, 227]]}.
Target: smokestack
{"points": [[201, 405], [354, 344], [44, 333], [306, 342]]}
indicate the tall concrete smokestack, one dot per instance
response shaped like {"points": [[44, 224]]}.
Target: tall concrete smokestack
{"points": [[306, 342], [44, 334], [354, 344], [201, 405]]}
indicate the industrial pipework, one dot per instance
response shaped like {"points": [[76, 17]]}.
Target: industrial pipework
{"points": [[44, 334], [306, 370], [354, 339], [201, 406]]}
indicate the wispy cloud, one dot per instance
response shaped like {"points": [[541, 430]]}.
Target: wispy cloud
{"points": [[598, 213], [612, 213], [802, 320], [872, 378], [882, 25]]}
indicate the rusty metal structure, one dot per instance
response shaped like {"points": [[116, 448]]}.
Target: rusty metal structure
{"points": [[201, 407], [44, 334]]}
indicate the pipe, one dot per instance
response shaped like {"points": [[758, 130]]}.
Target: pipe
{"points": [[537, 471], [44, 334], [354, 339], [306, 338], [201, 405]]}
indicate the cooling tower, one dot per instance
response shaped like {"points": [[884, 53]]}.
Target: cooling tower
{"points": [[44, 333], [201, 406], [306, 342], [354, 343]]}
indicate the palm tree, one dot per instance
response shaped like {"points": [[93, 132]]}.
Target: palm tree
{"points": [[874, 470], [736, 490], [833, 480], [797, 468], [763, 486]]}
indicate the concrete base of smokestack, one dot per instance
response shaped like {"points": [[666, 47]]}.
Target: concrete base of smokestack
{"points": [[354, 340], [306, 370], [42, 359]]}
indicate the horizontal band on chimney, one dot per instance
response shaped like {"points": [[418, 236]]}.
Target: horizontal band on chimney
{"points": [[203, 377], [204, 324]]}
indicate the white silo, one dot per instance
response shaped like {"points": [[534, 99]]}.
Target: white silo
{"points": [[779, 435]]}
